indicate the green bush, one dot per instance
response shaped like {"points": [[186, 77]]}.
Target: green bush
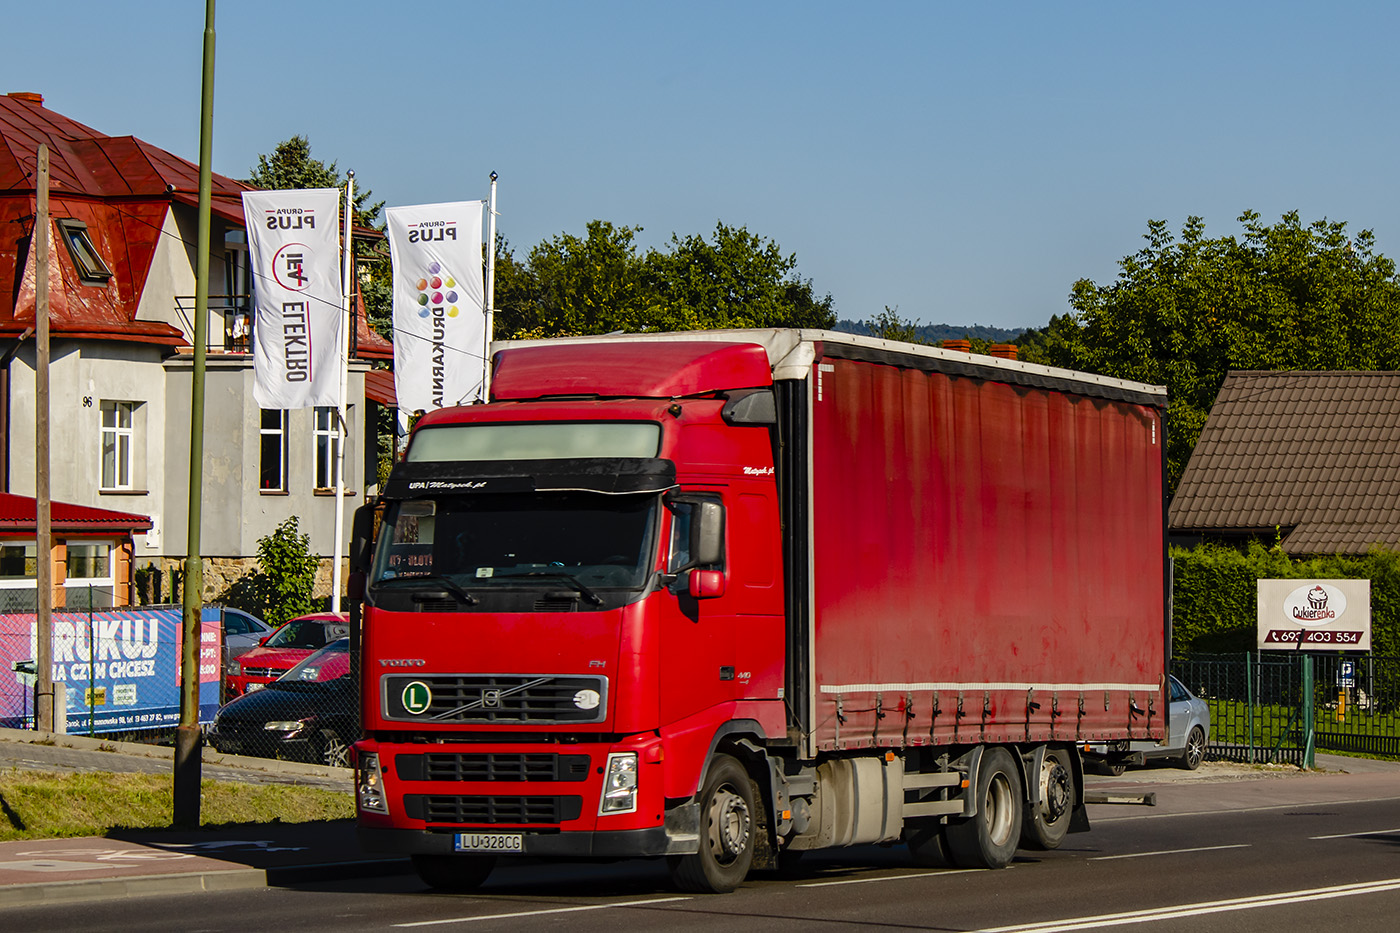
{"points": [[1215, 601], [286, 576]]}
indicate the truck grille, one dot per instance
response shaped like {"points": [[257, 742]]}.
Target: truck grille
{"points": [[534, 698], [492, 766], [448, 808]]}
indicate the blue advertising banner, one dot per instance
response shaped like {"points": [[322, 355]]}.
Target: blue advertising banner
{"points": [[121, 667]]}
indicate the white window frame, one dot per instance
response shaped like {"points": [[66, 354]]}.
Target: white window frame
{"points": [[108, 582], [265, 432], [325, 441], [121, 440], [20, 583]]}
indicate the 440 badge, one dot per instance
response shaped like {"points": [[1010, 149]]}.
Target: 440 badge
{"points": [[416, 697]]}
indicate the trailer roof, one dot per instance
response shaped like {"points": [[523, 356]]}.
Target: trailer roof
{"points": [[791, 353]]}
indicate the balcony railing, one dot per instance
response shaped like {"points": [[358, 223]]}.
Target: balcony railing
{"points": [[230, 325]]}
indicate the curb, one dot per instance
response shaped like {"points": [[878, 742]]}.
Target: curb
{"points": [[71, 892], [337, 871]]}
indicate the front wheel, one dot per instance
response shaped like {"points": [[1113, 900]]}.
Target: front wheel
{"points": [[332, 750], [726, 832], [1047, 823], [989, 839], [1195, 749], [454, 872]]}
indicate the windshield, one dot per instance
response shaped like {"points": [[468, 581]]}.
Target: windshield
{"points": [[306, 633], [330, 663], [500, 540]]}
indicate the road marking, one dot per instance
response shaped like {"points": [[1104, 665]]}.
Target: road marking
{"points": [[1205, 907], [1105, 858], [1374, 832], [1281, 806], [541, 913], [922, 874]]}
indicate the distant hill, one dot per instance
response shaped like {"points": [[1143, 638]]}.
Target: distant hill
{"points": [[935, 333]]}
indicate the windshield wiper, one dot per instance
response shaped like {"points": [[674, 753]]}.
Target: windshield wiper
{"points": [[433, 579], [568, 578]]}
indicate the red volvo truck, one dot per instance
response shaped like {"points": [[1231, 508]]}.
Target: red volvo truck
{"points": [[725, 597]]}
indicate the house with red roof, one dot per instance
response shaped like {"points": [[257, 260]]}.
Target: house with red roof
{"points": [[121, 278]]}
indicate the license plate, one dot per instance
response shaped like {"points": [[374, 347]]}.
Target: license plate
{"points": [[490, 842], [255, 687]]}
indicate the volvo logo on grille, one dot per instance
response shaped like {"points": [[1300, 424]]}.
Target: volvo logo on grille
{"points": [[491, 699]]}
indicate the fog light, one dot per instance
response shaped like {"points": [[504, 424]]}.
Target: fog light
{"points": [[369, 784], [620, 784]]}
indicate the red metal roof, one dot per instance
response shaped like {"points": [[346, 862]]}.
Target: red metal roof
{"points": [[19, 514], [379, 387]]}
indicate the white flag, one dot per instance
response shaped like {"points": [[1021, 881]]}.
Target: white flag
{"points": [[439, 316], [294, 248]]}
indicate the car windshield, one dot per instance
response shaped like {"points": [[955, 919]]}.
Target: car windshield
{"points": [[330, 663], [599, 541], [302, 633]]}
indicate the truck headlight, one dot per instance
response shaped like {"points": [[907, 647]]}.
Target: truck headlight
{"points": [[620, 784], [369, 784]]}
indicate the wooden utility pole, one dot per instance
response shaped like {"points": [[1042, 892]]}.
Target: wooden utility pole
{"points": [[44, 712]]}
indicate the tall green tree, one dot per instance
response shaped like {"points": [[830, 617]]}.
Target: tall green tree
{"points": [[600, 282], [291, 165], [1185, 311]]}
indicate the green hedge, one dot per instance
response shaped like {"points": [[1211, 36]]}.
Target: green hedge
{"points": [[1215, 594]]}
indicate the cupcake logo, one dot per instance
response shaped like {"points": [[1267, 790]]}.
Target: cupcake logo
{"points": [[1314, 604]]}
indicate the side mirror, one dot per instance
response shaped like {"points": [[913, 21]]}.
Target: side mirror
{"points": [[707, 534], [706, 584], [361, 539]]}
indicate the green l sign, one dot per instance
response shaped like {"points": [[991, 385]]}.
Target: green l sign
{"points": [[416, 697]]}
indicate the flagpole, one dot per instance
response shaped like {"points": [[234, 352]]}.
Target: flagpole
{"points": [[341, 430], [490, 292]]}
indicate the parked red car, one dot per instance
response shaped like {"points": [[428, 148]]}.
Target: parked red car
{"points": [[282, 650]]}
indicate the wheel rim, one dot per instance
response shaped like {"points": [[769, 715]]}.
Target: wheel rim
{"points": [[1195, 747], [1054, 789], [728, 825], [335, 753], [997, 809]]}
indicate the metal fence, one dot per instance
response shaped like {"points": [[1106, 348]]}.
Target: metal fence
{"points": [[1281, 707]]}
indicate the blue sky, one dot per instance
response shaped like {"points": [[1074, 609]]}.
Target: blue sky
{"points": [[964, 162]]}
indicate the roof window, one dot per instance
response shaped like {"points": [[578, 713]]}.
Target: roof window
{"points": [[91, 269]]}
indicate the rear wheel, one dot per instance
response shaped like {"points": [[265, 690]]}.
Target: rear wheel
{"points": [[726, 832], [1047, 823], [454, 872], [1195, 749], [989, 839]]}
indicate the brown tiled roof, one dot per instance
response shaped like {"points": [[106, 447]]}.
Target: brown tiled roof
{"points": [[1315, 454]]}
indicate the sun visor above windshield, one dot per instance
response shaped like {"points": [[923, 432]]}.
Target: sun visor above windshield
{"points": [[616, 476], [629, 370]]}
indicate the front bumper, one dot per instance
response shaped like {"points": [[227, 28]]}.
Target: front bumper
{"points": [[652, 842]]}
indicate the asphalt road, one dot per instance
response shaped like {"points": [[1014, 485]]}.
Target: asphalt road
{"points": [[1238, 852]]}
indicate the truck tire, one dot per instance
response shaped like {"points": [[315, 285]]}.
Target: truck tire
{"points": [[726, 832], [454, 872], [1047, 823], [928, 845], [989, 839]]}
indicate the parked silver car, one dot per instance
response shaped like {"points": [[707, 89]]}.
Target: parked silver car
{"points": [[242, 633], [1188, 733]]}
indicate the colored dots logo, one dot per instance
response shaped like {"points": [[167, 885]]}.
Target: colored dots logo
{"points": [[430, 290]]}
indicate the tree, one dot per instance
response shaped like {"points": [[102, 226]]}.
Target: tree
{"points": [[1183, 312], [286, 576], [599, 283], [290, 165]]}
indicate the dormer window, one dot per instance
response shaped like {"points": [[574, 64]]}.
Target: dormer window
{"points": [[91, 269]]}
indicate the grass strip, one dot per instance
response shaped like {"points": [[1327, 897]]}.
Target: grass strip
{"points": [[46, 805]]}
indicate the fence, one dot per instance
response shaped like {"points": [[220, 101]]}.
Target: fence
{"points": [[1281, 707]]}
